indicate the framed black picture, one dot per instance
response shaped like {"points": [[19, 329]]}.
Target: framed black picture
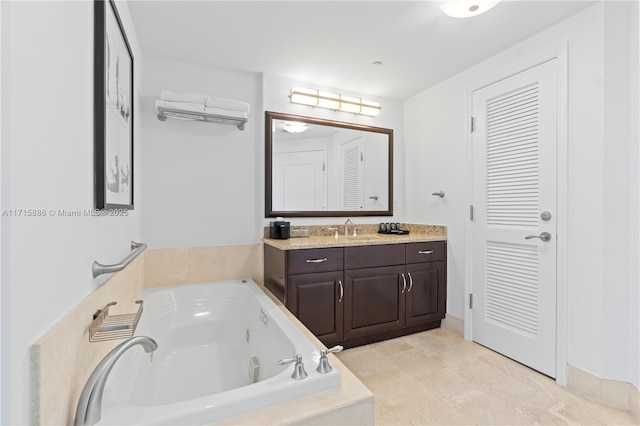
{"points": [[113, 110]]}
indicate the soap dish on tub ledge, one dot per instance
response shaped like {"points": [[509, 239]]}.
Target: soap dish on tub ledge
{"points": [[112, 327]]}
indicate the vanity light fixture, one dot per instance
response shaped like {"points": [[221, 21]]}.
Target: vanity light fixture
{"points": [[320, 99], [466, 8]]}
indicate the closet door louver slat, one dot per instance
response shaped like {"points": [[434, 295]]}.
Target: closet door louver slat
{"points": [[512, 165]]}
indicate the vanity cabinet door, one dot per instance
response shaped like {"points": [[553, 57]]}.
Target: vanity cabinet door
{"points": [[426, 296], [373, 301], [317, 301]]}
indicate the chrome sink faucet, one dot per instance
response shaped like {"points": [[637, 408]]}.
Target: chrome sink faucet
{"points": [[89, 407], [346, 227]]}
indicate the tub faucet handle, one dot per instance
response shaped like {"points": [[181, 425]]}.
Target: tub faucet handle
{"points": [[323, 365], [298, 369]]}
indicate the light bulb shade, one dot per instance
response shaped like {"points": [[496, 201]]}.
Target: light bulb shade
{"points": [[466, 8], [327, 100], [370, 108], [304, 96]]}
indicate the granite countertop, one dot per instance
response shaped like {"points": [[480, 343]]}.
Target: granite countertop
{"points": [[322, 236]]}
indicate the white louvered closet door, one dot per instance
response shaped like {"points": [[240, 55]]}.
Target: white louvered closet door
{"points": [[514, 182], [352, 174]]}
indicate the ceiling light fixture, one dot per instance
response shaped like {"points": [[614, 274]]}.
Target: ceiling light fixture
{"points": [[294, 127], [320, 99], [466, 8]]}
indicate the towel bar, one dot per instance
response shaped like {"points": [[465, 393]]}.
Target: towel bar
{"points": [[164, 113], [99, 269]]}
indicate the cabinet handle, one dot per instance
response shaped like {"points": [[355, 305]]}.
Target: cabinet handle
{"points": [[410, 282], [425, 251], [324, 259], [404, 283], [341, 291]]}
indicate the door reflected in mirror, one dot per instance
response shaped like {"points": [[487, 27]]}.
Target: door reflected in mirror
{"points": [[317, 167]]}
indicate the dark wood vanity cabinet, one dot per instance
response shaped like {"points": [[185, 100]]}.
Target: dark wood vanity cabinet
{"points": [[362, 294], [316, 300], [310, 284], [373, 303]]}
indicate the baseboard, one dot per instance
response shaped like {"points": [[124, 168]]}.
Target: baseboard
{"points": [[453, 324], [610, 393]]}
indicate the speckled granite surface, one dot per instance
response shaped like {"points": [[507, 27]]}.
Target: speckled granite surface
{"points": [[323, 236]]}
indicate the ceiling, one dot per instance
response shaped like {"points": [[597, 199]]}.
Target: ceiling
{"points": [[334, 43]]}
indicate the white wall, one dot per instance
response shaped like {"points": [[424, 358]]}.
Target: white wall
{"points": [[2, 242], [201, 180], [634, 300], [276, 91], [619, 187], [47, 163], [600, 331]]}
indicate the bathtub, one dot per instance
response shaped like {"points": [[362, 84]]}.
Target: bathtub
{"points": [[218, 348]]}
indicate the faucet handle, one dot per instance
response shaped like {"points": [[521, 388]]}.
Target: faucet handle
{"points": [[334, 229], [355, 232], [298, 369], [323, 364]]}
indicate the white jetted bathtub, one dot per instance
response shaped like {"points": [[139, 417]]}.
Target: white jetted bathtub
{"points": [[218, 350]]}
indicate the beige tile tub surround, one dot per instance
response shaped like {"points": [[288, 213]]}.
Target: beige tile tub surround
{"points": [[174, 266], [63, 358]]}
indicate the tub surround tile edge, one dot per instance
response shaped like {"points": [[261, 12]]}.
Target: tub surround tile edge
{"points": [[35, 384]]}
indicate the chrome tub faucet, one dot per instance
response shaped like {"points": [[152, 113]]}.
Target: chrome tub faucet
{"points": [[89, 407]]}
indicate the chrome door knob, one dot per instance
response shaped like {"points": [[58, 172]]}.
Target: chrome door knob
{"points": [[544, 236]]}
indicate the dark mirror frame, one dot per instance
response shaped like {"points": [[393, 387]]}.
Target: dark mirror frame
{"points": [[268, 137]]}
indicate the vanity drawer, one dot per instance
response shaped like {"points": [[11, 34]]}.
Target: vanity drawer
{"points": [[426, 252], [373, 256], [315, 260]]}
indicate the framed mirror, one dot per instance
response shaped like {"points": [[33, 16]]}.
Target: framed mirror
{"points": [[317, 167]]}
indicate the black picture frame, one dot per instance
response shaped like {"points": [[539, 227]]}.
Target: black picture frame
{"points": [[113, 110]]}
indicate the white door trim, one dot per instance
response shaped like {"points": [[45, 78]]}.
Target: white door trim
{"points": [[562, 273]]}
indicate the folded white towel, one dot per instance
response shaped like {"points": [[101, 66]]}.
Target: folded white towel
{"points": [[180, 106], [193, 98], [214, 102], [226, 112]]}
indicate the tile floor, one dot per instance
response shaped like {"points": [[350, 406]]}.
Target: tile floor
{"points": [[436, 377]]}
